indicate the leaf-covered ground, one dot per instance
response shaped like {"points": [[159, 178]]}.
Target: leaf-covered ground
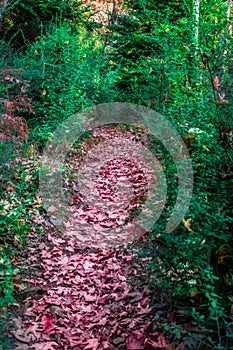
{"points": [[82, 299], [108, 185], [78, 290]]}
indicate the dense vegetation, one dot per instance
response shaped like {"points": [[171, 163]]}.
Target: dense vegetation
{"points": [[175, 58]]}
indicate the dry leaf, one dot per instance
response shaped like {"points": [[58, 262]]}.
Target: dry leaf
{"points": [[187, 224]]}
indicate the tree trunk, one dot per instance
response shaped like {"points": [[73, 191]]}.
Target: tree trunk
{"points": [[229, 15], [114, 13], [4, 4], [196, 10]]}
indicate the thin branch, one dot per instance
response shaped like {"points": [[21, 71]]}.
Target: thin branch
{"points": [[229, 15]]}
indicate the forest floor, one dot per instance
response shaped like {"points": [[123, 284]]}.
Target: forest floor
{"points": [[81, 288]]}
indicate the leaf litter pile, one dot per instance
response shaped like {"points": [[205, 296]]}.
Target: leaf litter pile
{"points": [[82, 293], [109, 187]]}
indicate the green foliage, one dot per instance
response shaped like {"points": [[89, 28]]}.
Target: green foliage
{"points": [[68, 71], [163, 67], [18, 187], [23, 21], [6, 284], [6, 343], [12, 221], [16, 191], [7, 272], [17, 205]]}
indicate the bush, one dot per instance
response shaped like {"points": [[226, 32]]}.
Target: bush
{"points": [[189, 83], [6, 298], [23, 21], [6, 284], [68, 71], [14, 102]]}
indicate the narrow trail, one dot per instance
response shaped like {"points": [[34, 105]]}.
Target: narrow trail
{"points": [[81, 298], [81, 293], [109, 186]]}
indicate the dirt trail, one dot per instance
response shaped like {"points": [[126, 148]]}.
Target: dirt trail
{"points": [[82, 295], [81, 298]]}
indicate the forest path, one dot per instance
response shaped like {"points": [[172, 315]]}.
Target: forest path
{"points": [[83, 293]]}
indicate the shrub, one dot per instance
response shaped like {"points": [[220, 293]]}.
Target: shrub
{"points": [[23, 21], [15, 101], [68, 71], [6, 284], [188, 82]]}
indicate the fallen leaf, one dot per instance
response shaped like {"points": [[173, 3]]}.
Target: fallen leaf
{"points": [[48, 323], [135, 341], [92, 344], [187, 224]]}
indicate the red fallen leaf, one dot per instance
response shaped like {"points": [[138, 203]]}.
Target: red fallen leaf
{"points": [[52, 209], [160, 344], [29, 312], [92, 344], [142, 311], [101, 217], [106, 224], [113, 215], [74, 343], [88, 265], [77, 199], [48, 323], [46, 346], [89, 298], [102, 300], [21, 336], [121, 278], [57, 251], [45, 254], [135, 341], [136, 198], [29, 280], [107, 346]]}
